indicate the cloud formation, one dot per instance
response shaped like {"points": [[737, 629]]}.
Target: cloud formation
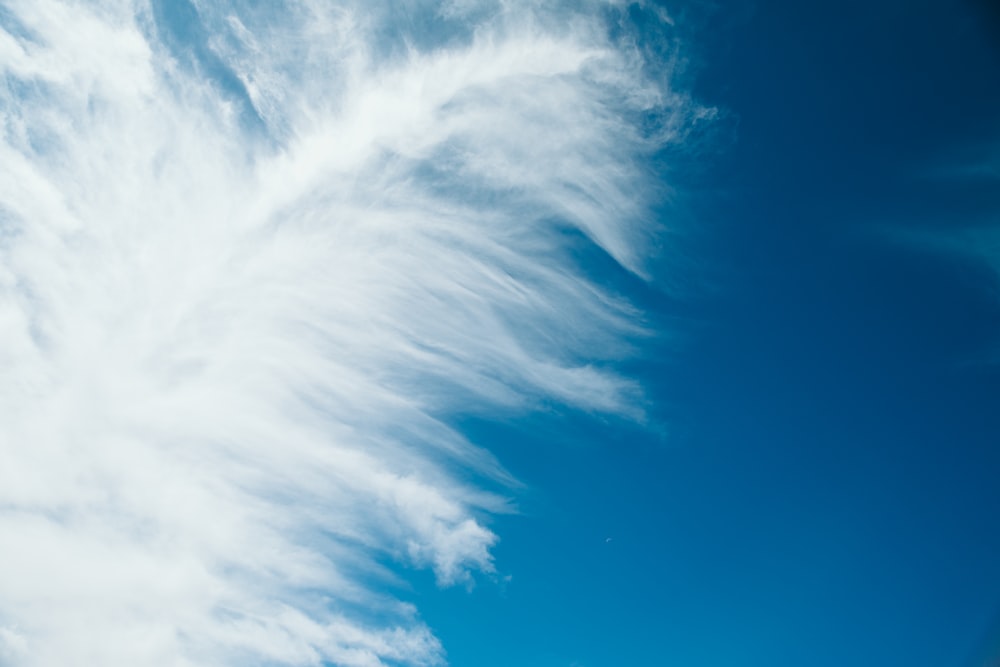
{"points": [[252, 258]]}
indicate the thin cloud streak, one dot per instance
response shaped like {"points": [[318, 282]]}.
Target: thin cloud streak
{"points": [[250, 262]]}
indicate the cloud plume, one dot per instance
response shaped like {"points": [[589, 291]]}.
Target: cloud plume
{"points": [[252, 258]]}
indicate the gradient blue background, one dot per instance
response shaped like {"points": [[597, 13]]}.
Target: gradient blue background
{"points": [[820, 484]]}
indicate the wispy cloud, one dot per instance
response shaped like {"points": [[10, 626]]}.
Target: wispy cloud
{"points": [[251, 258]]}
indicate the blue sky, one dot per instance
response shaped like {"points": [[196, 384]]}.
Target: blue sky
{"points": [[825, 491], [500, 334]]}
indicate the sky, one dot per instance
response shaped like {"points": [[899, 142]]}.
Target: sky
{"points": [[569, 334]]}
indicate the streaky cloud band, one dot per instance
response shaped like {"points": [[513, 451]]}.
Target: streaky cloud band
{"points": [[252, 256]]}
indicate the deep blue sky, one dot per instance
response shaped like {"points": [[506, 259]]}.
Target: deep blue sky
{"points": [[820, 486]]}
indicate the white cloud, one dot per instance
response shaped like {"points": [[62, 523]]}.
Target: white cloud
{"points": [[243, 280]]}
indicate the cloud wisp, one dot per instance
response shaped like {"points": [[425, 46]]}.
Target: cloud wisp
{"points": [[251, 258]]}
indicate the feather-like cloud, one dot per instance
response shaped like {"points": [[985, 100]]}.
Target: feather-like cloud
{"points": [[252, 258]]}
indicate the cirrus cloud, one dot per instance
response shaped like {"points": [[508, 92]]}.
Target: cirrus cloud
{"points": [[251, 258]]}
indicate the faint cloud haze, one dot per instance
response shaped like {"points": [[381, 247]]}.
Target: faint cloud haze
{"points": [[252, 256]]}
